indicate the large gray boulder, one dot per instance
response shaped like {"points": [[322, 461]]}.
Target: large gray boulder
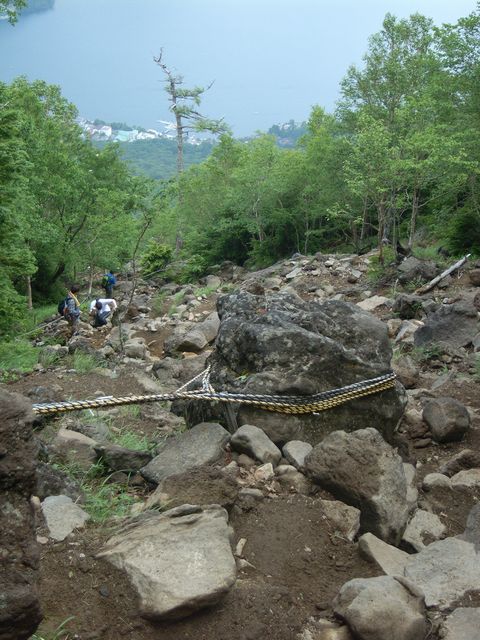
{"points": [[286, 346], [178, 561], [203, 444], [362, 470], [414, 269], [447, 418], [445, 571], [19, 604], [454, 324], [382, 608]]}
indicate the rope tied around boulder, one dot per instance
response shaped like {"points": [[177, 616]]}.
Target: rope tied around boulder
{"points": [[292, 405]]}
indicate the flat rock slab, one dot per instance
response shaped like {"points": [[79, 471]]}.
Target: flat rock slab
{"points": [[62, 516], [462, 624], [203, 444], [445, 571], [179, 561], [389, 559]]}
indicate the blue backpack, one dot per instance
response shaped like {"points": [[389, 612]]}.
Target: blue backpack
{"points": [[62, 307]]}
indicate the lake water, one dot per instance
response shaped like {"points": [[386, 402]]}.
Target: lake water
{"points": [[271, 60]]}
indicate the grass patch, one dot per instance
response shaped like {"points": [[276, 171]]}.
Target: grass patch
{"points": [[60, 633], [85, 362], [204, 292], [177, 298], [103, 500], [378, 272], [158, 302], [131, 440], [17, 356]]}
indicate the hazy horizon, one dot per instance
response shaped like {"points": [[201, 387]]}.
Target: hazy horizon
{"points": [[270, 60]]}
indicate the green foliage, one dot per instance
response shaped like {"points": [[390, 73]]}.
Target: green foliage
{"points": [[16, 356], [132, 440], [464, 232], [155, 258], [157, 158], [378, 271], [85, 362], [103, 500]]}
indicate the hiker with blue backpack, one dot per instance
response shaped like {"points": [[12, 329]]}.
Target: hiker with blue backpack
{"points": [[69, 308], [108, 282]]}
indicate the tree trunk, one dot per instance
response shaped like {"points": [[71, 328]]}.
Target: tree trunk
{"points": [[413, 220], [29, 293], [381, 227], [90, 280], [364, 220]]}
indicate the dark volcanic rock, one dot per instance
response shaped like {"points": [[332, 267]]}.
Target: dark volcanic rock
{"points": [[285, 346], [454, 324], [19, 606]]}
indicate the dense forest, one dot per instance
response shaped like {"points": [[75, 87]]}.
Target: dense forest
{"points": [[399, 160]]}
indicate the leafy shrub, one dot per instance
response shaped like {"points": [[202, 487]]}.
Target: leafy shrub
{"points": [[155, 258], [464, 233], [19, 355], [377, 271]]}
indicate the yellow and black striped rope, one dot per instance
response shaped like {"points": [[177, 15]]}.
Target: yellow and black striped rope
{"points": [[281, 404]]}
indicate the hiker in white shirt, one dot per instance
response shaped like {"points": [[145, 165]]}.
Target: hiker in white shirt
{"points": [[100, 309]]}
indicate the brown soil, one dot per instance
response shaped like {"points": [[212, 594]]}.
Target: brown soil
{"points": [[299, 565], [299, 562]]}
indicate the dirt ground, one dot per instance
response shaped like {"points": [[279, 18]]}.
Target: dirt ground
{"points": [[299, 565], [299, 561]]}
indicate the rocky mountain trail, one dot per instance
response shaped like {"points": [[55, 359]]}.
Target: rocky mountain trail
{"points": [[212, 521]]}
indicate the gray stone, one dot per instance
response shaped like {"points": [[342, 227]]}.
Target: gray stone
{"points": [[447, 418], [381, 609], [293, 347], [467, 479], [254, 442], [436, 480], [296, 451], [71, 446], [370, 304], [178, 561], [465, 459], [135, 348], [412, 491], [91, 426], [462, 623], [210, 326], [414, 269], [295, 481], [343, 518], [408, 330], [455, 324], [362, 470], [423, 528], [474, 276], [472, 528], [203, 444], [213, 282], [407, 371], [446, 571], [62, 516], [386, 557], [118, 458], [54, 482]]}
